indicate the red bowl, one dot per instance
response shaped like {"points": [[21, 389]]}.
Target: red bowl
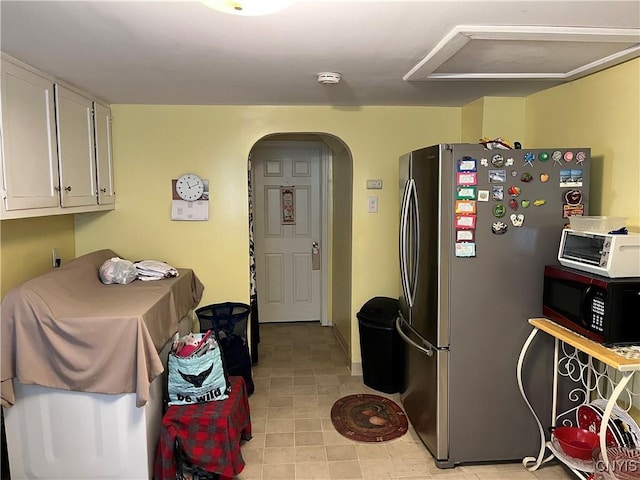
{"points": [[576, 442]]}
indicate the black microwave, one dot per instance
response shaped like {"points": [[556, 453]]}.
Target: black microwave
{"points": [[606, 310]]}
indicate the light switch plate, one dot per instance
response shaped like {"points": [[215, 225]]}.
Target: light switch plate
{"points": [[373, 204]]}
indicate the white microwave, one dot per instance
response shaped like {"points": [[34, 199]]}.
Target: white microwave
{"points": [[605, 254]]}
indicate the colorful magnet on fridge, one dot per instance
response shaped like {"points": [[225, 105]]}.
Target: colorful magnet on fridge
{"points": [[465, 221], [568, 156], [543, 156], [580, 158], [556, 157], [514, 191], [526, 177], [467, 178], [571, 210], [529, 157], [544, 177], [465, 235], [572, 197], [525, 203], [497, 161], [539, 202], [483, 195], [499, 210], [497, 192], [508, 162], [465, 249], [513, 204], [514, 173], [497, 176], [465, 206], [498, 228], [571, 178], [484, 162], [517, 220], [467, 164], [466, 193]]}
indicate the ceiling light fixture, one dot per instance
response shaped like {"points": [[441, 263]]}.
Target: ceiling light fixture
{"points": [[248, 7], [329, 78]]}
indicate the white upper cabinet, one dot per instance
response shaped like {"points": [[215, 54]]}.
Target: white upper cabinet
{"points": [[74, 120], [104, 161], [29, 143], [56, 146]]}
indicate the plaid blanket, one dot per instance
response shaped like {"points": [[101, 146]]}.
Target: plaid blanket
{"points": [[210, 434]]}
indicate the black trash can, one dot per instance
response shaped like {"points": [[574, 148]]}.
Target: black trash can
{"points": [[381, 347], [229, 322]]}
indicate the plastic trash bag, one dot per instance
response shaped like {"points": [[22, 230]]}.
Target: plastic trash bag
{"points": [[117, 270]]}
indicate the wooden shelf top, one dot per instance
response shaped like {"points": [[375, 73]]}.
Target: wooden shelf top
{"points": [[594, 349]]}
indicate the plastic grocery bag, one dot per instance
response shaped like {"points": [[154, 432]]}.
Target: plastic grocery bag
{"points": [[117, 270]]}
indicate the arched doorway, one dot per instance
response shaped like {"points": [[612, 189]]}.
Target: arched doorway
{"points": [[332, 261]]}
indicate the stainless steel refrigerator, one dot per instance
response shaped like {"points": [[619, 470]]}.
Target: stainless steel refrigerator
{"points": [[477, 227]]}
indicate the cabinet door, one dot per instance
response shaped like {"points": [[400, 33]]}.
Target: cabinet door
{"points": [[29, 147], [74, 115], [104, 159]]}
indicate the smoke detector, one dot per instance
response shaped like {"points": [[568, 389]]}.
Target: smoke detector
{"points": [[329, 78]]}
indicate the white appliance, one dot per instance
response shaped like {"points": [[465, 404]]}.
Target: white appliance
{"points": [[609, 255], [64, 435]]}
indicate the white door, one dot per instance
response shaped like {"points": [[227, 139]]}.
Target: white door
{"points": [[287, 230]]}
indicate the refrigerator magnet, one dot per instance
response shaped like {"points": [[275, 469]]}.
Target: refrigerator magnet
{"points": [[517, 220], [467, 164], [499, 210], [465, 249], [497, 161], [580, 158], [497, 192], [572, 210], [484, 162], [465, 221], [466, 193], [483, 195], [529, 157], [571, 178], [556, 157], [467, 178], [465, 206], [497, 176], [498, 228], [465, 235]]}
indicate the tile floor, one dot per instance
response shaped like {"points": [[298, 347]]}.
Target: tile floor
{"points": [[302, 371]]}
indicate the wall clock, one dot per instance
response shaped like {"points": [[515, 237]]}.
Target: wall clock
{"points": [[190, 187]]}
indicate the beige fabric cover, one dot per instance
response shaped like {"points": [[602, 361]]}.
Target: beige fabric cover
{"points": [[66, 329]]}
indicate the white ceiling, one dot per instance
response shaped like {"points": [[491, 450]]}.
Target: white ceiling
{"points": [[182, 52]]}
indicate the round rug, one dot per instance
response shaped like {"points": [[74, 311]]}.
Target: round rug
{"points": [[368, 418]]}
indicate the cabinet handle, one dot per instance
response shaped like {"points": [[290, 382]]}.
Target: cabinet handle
{"points": [[67, 188], [103, 190]]}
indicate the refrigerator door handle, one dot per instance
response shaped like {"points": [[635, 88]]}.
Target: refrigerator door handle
{"points": [[404, 217], [427, 351]]}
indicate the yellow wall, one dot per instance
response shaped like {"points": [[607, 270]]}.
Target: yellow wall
{"points": [[26, 247], [493, 117], [153, 144], [601, 111]]}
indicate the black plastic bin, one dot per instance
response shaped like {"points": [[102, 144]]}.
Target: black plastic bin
{"points": [[381, 347], [229, 322]]}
